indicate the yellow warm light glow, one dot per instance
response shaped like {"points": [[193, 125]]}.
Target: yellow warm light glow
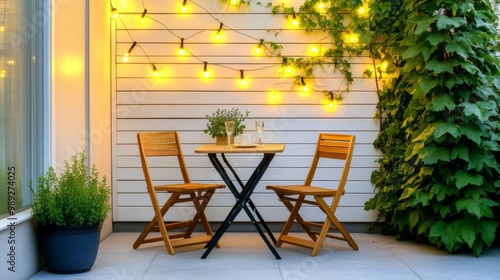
{"points": [[126, 57], [351, 38], [2, 28], [316, 50], [181, 51], [234, 2], [72, 66], [2, 74], [10, 62], [383, 66], [363, 11], [274, 97], [331, 105], [259, 50]]}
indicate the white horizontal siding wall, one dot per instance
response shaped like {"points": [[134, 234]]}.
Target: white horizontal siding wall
{"points": [[179, 100]]}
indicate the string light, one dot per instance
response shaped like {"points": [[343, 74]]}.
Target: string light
{"points": [[243, 82], [183, 7], [218, 35], [114, 13], [351, 38], [127, 54], [273, 96], [259, 50], [295, 21], [206, 74], [143, 16], [156, 73], [305, 88], [2, 74], [182, 51]]}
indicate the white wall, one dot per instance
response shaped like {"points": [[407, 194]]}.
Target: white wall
{"points": [[180, 99], [81, 88]]}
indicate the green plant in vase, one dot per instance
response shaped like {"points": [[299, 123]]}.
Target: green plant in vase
{"points": [[216, 123]]}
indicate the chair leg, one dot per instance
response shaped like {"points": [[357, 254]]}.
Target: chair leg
{"points": [[158, 221], [295, 209], [331, 218]]}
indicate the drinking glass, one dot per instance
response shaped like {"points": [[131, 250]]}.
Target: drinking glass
{"points": [[259, 126], [230, 125]]}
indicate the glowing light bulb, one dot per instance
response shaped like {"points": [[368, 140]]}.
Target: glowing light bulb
{"points": [[125, 57], [206, 74], [259, 50], [295, 21], [156, 73], [2, 74], [183, 7], [351, 38], [114, 13], [2, 28], [143, 17], [182, 51], [243, 82]]}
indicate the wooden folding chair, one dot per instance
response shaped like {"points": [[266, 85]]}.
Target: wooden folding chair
{"points": [[329, 146], [166, 144]]}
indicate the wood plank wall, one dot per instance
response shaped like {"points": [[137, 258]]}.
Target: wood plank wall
{"points": [[180, 99]]}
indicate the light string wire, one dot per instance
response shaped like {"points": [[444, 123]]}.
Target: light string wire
{"points": [[297, 78]]}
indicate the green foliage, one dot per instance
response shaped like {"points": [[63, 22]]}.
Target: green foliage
{"points": [[77, 197], [216, 126], [439, 177]]}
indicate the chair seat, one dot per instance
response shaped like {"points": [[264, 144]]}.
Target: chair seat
{"points": [[188, 187], [302, 190]]}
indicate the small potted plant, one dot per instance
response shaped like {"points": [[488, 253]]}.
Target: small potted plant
{"points": [[69, 211], [216, 127]]}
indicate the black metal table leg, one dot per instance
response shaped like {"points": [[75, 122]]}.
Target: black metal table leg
{"points": [[242, 198]]}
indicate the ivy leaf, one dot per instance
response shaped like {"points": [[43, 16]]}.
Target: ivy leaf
{"points": [[464, 178], [470, 205], [428, 84], [444, 22], [472, 109], [413, 218], [472, 132], [432, 155], [406, 193], [487, 229], [447, 233], [439, 67], [441, 103], [466, 231], [423, 24], [455, 47], [461, 152], [436, 38], [447, 128], [415, 50]]}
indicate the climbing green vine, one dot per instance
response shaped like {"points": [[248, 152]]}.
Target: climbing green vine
{"points": [[439, 99], [439, 175]]}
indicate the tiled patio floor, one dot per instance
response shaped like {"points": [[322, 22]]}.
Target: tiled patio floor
{"points": [[245, 256]]}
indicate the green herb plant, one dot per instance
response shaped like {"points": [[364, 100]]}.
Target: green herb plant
{"points": [[78, 196], [216, 126]]}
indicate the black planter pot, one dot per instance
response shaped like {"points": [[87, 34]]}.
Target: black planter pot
{"points": [[69, 249]]}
